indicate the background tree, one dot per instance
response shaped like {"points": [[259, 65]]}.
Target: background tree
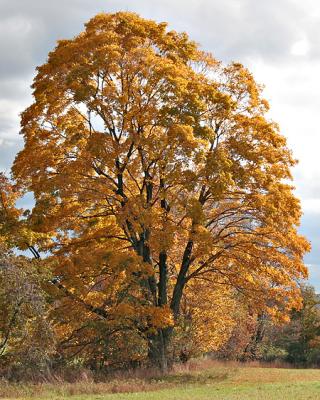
{"points": [[259, 337], [242, 337], [147, 156], [300, 339], [27, 341]]}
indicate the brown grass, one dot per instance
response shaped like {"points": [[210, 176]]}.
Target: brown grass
{"points": [[198, 372]]}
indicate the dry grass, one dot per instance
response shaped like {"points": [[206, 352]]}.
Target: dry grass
{"points": [[193, 374]]}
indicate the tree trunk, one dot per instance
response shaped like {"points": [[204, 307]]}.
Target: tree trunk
{"points": [[158, 349]]}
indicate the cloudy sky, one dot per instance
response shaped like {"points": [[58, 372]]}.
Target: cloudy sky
{"points": [[278, 40]]}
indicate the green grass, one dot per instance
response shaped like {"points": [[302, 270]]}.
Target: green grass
{"points": [[213, 382], [305, 390]]}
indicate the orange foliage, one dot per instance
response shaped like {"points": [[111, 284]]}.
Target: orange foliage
{"points": [[153, 164]]}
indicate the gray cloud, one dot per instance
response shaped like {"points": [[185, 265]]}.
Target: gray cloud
{"points": [[232, 29], [31, 29]]}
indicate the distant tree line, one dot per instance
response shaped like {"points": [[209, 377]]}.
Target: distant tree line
{"points": [[257, 337]]}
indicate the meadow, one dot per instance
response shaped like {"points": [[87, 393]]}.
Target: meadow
{"points": [[196, 381]]}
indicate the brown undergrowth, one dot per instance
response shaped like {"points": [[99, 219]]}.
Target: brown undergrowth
{"points": [[195, 372]]}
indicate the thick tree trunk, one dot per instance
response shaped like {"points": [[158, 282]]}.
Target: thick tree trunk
{"points": [[158, 349]]}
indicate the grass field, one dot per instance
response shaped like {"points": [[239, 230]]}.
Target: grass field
{"points": [[210, 382]]}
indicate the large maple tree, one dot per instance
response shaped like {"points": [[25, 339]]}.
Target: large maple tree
{"points": [[156, 173]]}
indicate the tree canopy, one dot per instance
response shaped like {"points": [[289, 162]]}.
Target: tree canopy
{"points": [[158, 180]]}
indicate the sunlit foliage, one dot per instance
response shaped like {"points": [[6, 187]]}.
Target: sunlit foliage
{"points": [[153, 165]]}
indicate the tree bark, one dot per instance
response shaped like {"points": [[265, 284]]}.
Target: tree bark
{"points": [[181, 280], [158, 349]]}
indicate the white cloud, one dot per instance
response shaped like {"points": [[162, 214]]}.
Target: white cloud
{"points": [[300, 48]]}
